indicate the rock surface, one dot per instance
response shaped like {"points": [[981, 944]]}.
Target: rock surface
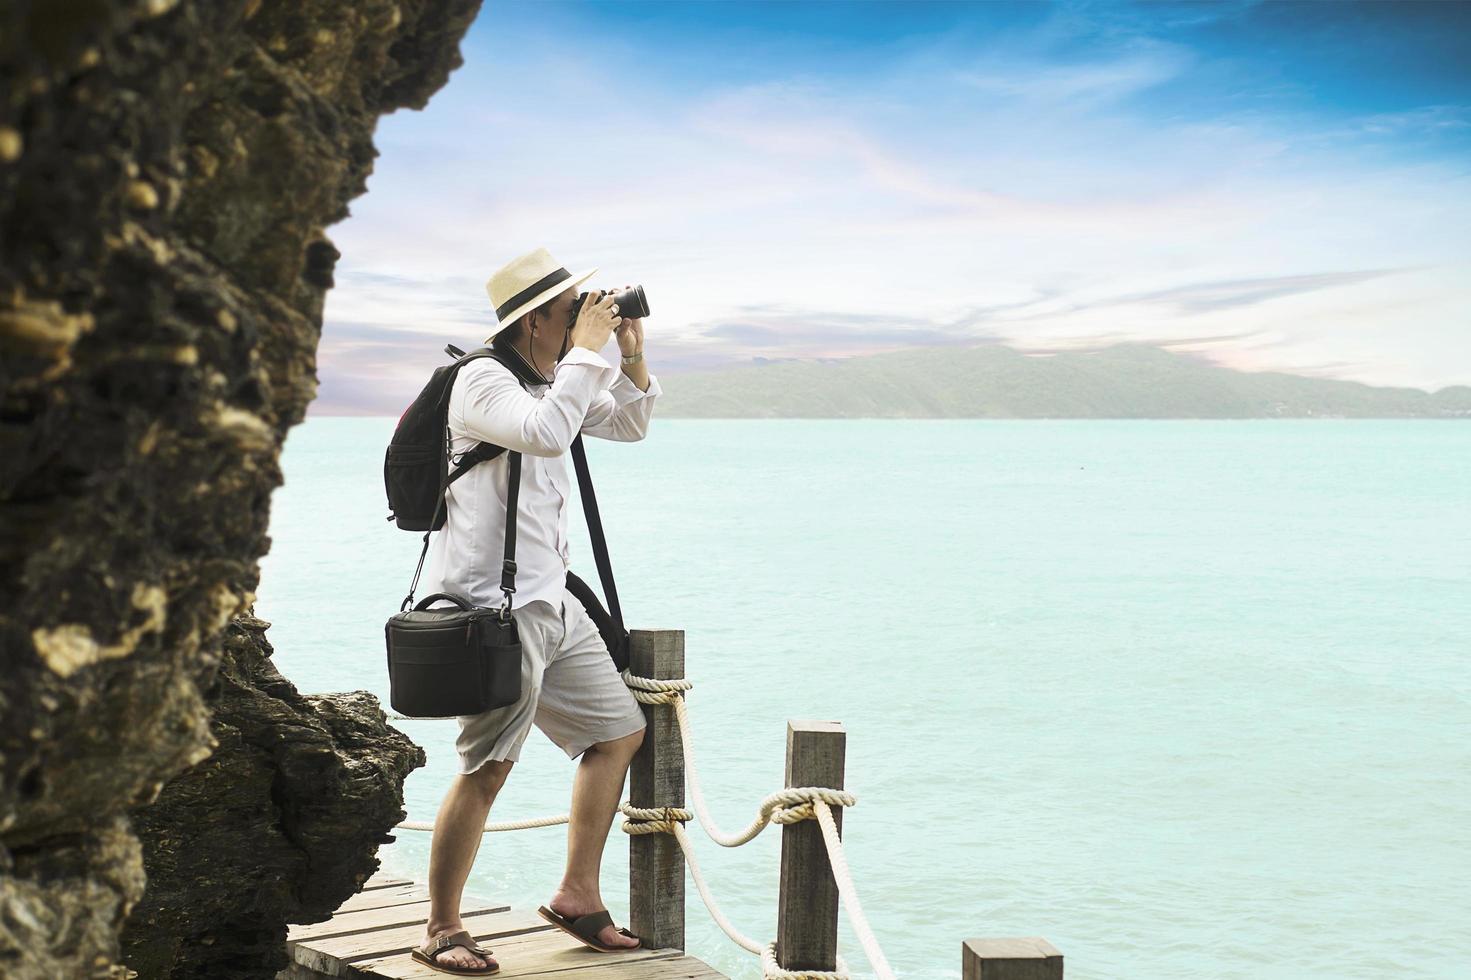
{"points": [[167, 170], [287, 813]]}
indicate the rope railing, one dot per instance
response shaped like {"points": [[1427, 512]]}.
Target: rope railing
{"points": [[786, 806], [789, 805]]}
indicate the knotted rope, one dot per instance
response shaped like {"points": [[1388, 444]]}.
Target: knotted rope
{"points": [[772, 970], [652, 690], [651, 820]]}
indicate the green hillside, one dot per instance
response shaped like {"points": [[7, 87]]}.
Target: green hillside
{"points": [[994, 381]]}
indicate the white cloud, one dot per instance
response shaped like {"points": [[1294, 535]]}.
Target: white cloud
{"points": [[1086, 85]]}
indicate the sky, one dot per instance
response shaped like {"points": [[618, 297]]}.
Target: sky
{"points": [[1272, 186]]}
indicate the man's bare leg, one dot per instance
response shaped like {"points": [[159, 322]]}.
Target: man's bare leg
{"points": [[458, 830], [595, 792]]}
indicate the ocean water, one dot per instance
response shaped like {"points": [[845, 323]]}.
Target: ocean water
{"points": [[1187, 698]]}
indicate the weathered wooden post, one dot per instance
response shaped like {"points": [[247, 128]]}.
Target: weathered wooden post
{"points": [[807, 906], [1029, 958], [656, 779]]}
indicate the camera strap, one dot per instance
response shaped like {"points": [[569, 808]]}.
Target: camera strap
{"points": [[595, 529]]}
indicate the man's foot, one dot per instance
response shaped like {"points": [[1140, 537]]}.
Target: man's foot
{"points": [[572, 906], [456, 955]]}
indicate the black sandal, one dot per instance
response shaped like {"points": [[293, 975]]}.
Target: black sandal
{"points": [[585, 929]]}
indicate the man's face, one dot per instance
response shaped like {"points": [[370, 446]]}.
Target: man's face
{"points": [[562, 307], [559, 318]]}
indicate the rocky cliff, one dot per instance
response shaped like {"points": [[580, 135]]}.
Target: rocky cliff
{"points": [[278, 825], [167, 170]]}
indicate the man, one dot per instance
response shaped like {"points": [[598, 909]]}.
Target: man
{"points": [[570, 688]]}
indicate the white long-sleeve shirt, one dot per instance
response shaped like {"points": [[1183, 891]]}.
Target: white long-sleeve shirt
{"points": [[488, 404]]}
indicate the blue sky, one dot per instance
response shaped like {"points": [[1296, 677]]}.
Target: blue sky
{"points": [[1274, 186]]}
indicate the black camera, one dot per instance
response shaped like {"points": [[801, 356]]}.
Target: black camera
{"points": [[631, 302]]}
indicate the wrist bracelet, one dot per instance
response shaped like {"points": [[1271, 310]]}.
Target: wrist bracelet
{"points": [[633, 358]]}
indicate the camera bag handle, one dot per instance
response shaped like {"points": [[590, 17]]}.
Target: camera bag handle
{"points": [[459, 600]]}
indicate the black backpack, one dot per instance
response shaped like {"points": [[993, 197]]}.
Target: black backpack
{"points": [[415, 476], [414, 464]]}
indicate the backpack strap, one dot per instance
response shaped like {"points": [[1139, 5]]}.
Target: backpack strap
{"points": [[479, 454], [518, 367]]}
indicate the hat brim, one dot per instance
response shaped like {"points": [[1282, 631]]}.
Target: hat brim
{"points": [[541, 298]]}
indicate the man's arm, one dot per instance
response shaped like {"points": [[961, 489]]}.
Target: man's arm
{"points": [[622, 412], [497, 409]]}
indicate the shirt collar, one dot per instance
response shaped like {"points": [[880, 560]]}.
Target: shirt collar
{"points": [[522, 370]]}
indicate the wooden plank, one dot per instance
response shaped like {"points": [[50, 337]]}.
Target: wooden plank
{"points": [[372, 920], [295, 971], [656, 779], [807, 903], [528, 954], [381, 897], [332, 954], [382, 879], [1023, 958], [361, 920], [674, 967]]}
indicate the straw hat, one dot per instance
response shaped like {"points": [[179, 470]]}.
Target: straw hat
{"points": [[525, 283]]}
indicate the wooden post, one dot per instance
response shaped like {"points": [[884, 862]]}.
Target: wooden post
{"points": [[656, 778], [1030, 958], [807, 906]]}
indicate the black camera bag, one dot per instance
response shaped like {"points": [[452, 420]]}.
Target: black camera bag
{"points": [[459, 661]]}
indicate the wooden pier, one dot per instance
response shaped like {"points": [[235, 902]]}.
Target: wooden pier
{"points": [[372, 933]]}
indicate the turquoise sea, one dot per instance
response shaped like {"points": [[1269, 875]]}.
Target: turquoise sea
{"points": [[1190, 699]]}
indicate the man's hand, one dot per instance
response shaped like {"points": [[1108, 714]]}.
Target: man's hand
{"points": [[630, 332], [595, 321]]}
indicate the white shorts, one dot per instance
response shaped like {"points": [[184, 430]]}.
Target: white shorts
{"points": [[570, 689]]}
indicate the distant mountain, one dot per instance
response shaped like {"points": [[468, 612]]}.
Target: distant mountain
{"points": [[995, 381]]}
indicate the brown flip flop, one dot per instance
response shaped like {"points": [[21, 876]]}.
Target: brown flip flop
{"points": [[428, 954], [585, 929]]}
